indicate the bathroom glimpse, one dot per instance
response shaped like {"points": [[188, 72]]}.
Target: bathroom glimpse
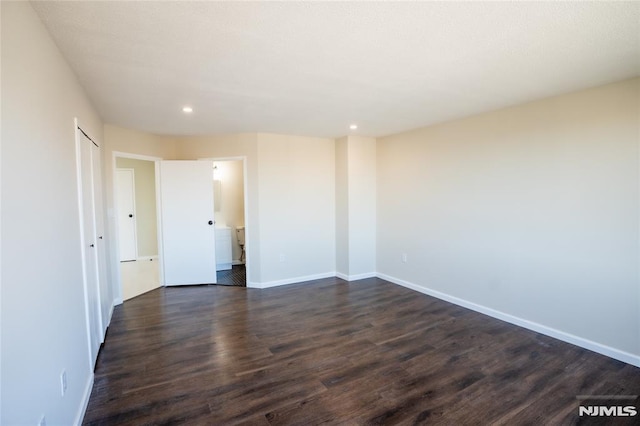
{"points": [[228, 194]]}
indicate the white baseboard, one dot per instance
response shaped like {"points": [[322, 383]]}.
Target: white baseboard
{"points": [[296, 280], [85, 401], [356, 277], [117, 301], [237, 262], [148, 257], [618, 354]]}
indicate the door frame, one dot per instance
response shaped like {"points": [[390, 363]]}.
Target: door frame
{"points": [[245, 190], [135, 213], [117, 278]]}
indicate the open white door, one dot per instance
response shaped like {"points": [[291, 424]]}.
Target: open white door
{"points": [[188, 233]]}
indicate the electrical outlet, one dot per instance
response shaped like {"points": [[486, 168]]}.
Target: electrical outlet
{"points": [[43, 421], [404, 257], [283, 258], [63, 382]]}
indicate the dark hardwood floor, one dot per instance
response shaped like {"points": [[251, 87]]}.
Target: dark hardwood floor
{"points": [[332, 352]]}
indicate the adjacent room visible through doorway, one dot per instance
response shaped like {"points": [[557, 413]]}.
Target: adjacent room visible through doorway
{"points": [[135, 189], [229, 206]]}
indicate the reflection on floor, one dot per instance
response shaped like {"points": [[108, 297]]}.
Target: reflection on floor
{"points": [[139, 277], [237, 276]]}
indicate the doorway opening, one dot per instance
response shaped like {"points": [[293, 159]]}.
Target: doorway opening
{"points": [[229, 190], [229, 183], [134, 180]]}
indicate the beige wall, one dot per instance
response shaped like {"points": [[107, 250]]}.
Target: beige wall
{"points": [[297, 207], [362, 206], [342, 206], [136, 142], [145, 194], [355, 207], [531, 211], [42, 311], [230, 209]]}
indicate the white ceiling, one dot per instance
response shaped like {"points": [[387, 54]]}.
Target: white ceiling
{"points": [[313, 68]]}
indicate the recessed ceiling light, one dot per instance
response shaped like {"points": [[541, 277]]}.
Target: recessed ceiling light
{"points": [[353, 126], [187, 109]]}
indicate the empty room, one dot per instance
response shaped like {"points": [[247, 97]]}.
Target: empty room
{"points": [[301, 213]]}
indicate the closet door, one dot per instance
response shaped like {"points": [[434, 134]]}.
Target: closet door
{"points": [[106, 296], [89, 245], [188, 233]]}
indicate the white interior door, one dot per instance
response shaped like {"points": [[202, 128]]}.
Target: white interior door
{"points": [[125, 181], [101, 250], [188, 234], [89, 247]]}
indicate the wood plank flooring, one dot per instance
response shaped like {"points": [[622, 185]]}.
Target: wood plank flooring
{"points": [[332, 352]]}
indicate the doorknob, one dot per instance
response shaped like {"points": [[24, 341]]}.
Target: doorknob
{"points": [[130, 215], [210, 222]]}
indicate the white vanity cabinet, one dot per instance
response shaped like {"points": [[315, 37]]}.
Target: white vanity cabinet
{"points": [[223, 248]]}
